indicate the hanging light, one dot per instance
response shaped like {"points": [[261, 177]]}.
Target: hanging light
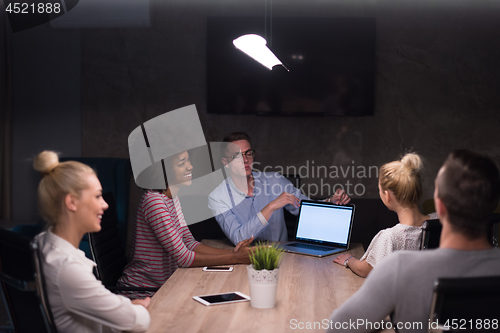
{"points": [[255, 46]]}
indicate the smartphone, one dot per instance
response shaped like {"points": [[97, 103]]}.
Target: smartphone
{"points": [[218, 269], [215, 299]]}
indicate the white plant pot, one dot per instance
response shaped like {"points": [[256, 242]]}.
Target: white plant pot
{"points": [[263, 287]]}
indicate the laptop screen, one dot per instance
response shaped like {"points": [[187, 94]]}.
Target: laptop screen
{"points": [[324, 222]]}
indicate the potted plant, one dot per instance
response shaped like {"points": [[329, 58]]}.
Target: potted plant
{"points": [[263, 275]]}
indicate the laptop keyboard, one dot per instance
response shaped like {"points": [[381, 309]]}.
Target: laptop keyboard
{"points": [[312, 247]]}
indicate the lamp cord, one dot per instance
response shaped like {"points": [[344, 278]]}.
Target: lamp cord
{"points": [[270, 37]]}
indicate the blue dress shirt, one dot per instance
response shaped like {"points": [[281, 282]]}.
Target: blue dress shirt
{"points": [[239, 214]]}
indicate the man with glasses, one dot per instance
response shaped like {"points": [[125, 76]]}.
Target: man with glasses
{"points": [[250, 203]]}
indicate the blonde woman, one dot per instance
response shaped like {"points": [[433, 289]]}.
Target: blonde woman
{"points": [[70, 201], [400, 188]]}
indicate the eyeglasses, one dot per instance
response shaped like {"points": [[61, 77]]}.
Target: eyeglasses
{"points": [[250, 153]]}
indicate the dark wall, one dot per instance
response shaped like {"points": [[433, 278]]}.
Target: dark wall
{"points": [[46, 106], [437, 86], [436, 89]]}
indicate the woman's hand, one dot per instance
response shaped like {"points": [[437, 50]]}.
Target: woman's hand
{"points": [[339, 198], [245, 242], [144, 302], [361, 268], [242, 251], [341, 258]]}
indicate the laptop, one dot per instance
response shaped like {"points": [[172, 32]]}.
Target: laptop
{"points": [[323, 229]]}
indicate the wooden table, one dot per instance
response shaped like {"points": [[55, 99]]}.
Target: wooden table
{"points": [[309, 289]]}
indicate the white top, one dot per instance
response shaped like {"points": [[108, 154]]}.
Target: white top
{"points": [[79, 302], [399, 237]]}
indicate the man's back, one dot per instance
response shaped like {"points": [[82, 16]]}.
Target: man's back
{"points": [[403, 284]]}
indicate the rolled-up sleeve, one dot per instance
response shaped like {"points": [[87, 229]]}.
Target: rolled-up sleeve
{"points": [[233, 227], [289, 188], [241, 218]]}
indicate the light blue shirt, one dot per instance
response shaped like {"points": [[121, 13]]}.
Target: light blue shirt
{"points": [[239, 214]]}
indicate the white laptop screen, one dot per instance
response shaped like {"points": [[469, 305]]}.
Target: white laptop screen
{"points": [[324, 222]]}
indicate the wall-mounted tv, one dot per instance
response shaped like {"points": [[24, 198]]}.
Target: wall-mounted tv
{"points": [[331, 61]]}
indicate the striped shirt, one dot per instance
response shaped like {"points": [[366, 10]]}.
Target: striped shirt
{"points": [[162, 242]]}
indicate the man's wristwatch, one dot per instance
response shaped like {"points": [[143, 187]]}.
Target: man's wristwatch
{"points": [[345, 261]]}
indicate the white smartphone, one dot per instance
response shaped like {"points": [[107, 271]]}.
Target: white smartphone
{"points": [[215, 299], [218, 269]]}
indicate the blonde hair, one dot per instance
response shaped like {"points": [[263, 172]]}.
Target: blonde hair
{"points": [[59, 179], [403, 178]]}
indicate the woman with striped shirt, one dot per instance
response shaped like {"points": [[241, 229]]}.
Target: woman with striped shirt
{"points": [[162, 241]]}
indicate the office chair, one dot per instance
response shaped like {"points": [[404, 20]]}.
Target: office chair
{"points": [[290, 219], [107, 250], [21, 276], [463, 304], [431, 233], [493, 232]]}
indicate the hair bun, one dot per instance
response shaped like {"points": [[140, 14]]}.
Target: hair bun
{"points": [[412, 161], [45, 162]]}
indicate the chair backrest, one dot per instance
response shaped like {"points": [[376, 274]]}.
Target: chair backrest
{"points": [[42, 295], [106, 247], [462, 302], [494, 230], [27, 311], [115, 175], [290, 219], [431, 233]]}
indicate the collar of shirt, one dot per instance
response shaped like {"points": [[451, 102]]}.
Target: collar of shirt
{"points": [[63, 246], [257, 184]]}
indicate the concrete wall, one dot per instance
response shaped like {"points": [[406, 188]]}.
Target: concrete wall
{"points": [[436, 89], [46, 106], [437, 85]]}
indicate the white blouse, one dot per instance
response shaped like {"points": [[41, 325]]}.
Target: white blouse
{"points": [[399, 237], [79, 302]]}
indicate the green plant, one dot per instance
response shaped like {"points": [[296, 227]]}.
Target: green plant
{"points": [[265, 256]]}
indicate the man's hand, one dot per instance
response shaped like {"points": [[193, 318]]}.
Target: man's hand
{"points": [[339, 198], [283, 200], [278, 203], [144, 302]]}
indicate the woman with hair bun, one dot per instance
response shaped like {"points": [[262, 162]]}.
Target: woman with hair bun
{"points": [[70, 201], [400, 188]]}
